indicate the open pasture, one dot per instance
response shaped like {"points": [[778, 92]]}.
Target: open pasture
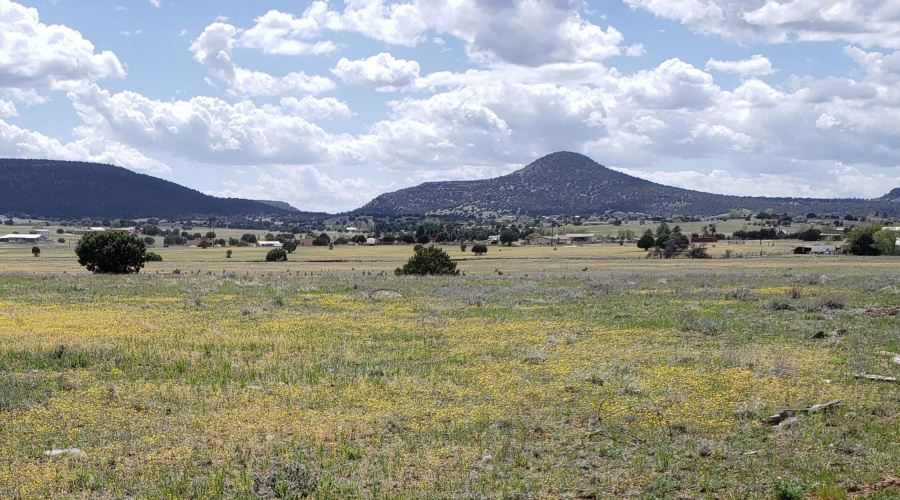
{"points": [[583, 372]]}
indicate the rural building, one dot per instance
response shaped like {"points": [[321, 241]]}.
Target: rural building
{"points": [[820, 249], [575, 239], [44, 233], [371, 241], [21, 238], [538, 240], [306, 242], [269, 243], [704, 239]]}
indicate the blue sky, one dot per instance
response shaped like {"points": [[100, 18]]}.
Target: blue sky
{"points": [[325, 105]]}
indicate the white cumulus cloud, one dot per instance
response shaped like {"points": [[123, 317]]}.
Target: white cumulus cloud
{"points": [[35, 55], [867, 23], [757, 65], [213, 49], [383, 72]]}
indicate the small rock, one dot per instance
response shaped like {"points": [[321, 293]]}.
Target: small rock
{"points": [[789, 423], [55, 452]]}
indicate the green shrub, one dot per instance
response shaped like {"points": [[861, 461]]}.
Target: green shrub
{"points": [[479, 248], [153, 257], [276, 255], [428, 260], [112, 252]]}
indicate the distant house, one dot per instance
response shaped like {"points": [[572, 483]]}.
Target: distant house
{"points": [[704, 239], [538, 240], [43, 233], [21, 238], [132, 230], [306, 242], [371, 241], [268, 243]]}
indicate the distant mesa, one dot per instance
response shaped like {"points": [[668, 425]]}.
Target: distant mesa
{"points": [[559, 183], [571, 183], [68, 189]]}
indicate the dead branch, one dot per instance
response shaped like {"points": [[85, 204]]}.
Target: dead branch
{"points": [[876, 377], [787, 413]]}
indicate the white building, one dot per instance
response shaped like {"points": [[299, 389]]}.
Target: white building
{"points": [[21, 238]]}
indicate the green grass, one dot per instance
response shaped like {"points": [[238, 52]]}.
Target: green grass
{"points": [[584, 372]]}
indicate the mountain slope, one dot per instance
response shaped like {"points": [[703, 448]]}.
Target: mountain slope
{"points": [[572, 183], [70, 189]]}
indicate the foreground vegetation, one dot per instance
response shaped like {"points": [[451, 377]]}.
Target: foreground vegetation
{"points": [[536, 373]]}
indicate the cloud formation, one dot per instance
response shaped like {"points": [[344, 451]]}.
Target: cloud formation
{"points": [[34, 55], [870, 23], [213, 49]]}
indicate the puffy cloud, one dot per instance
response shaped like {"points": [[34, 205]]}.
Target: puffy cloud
{"points": [[755, 66], [381, 71], [35, 55], [674, 84], [311, 107], [869, 23], [7, 109], [210, 130], [493, 31], [281, 33], [213, 49], [309, 188], [22, 143], [819, 180]]}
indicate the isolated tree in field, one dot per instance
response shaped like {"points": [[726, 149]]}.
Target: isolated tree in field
{"points": [[509, 236], [428, 260], [228, 253], [111, 252], [479, 249], [289, 246], [276, 255], [36, 251], [647, 240], [861, 240], [675, 245]]}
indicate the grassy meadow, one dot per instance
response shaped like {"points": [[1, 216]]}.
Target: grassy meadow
{"points": [[586, 372]]}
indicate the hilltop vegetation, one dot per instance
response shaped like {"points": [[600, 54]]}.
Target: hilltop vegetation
{"points": [[72, 189], [571, 183]]}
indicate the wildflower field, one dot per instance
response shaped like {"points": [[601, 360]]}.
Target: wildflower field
{"points": [[536, 374]]}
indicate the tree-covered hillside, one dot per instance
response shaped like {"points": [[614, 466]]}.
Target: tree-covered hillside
{"points": [[69, 189], [573, 183]]}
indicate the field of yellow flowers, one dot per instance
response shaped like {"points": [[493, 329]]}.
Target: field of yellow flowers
{"points": [[613, 379]]}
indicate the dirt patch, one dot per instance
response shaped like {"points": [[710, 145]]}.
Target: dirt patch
{"points": [[884, 311], [863, 490]]}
